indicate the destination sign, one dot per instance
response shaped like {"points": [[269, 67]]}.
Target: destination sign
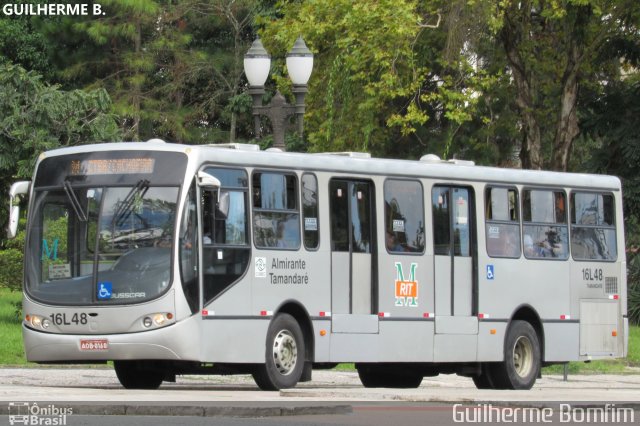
{"points": [[115, 166]]}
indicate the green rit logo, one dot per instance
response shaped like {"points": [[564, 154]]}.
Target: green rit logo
{"points": [[406, 290]]}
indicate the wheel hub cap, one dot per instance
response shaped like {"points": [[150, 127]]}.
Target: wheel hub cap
{"points": [[523, 356], [285, 352]]}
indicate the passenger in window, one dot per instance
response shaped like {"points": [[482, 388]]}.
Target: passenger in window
{"points": [[549, 247], [531, 249], [511, 244], [392, 242]]}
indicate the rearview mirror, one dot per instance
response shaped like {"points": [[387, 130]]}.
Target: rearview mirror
{"points": [[223, 204], [18, 188], [205, 180]]}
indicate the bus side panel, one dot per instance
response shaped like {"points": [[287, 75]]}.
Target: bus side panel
{"points": [[407, 341], [596, 288], [561, 341], [235, 340], [455, 347], [490, 340], [355, 347], [540, 284], [322, 341]]}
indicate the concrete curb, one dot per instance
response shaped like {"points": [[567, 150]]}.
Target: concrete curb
{"points": [[142, 409]]}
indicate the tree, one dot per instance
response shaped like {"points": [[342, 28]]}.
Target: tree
{"points": [[550, 47], [172, 68], [363, 63], [22, 44], [36, 117]]}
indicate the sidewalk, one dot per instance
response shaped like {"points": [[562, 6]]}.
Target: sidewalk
{"points": [[97, 391]]}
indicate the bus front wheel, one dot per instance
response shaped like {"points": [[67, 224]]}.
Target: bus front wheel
{"points": [[521, 364], [284, 357], [133, 375]]}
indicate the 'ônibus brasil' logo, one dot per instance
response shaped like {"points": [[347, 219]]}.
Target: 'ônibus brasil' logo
{"points": [[406, 290]]}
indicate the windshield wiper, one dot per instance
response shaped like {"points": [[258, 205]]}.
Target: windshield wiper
{"points": [[124, 210], [77, 207]]}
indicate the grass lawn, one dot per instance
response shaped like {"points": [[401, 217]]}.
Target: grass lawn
{"points": [[12, 353]]}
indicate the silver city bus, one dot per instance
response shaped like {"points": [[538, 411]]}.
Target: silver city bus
{"points": [[171, 259]]}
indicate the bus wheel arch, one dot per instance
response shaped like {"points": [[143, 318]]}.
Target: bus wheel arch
{"points": [[528, 314], [301, 315]]}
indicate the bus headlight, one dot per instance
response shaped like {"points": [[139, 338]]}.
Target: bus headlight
{"points": [[36, 321], [158, 319]]}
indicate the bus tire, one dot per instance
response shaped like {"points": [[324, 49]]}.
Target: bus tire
{"points": [[132, 376], [380, 376], [521, 365], [284, 356], [484, 379]]}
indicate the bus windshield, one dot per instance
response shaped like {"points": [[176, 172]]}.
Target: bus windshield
{"points": [[120, 253], [94, 243]]}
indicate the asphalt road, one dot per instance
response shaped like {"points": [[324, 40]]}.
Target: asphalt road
{"points": [[331, 398]]}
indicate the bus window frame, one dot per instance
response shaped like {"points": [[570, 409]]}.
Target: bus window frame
{"points": [[297, 210], [424, 215], [518, 220], [317, 247], [566, 224], [247, 192], [614, 226]]}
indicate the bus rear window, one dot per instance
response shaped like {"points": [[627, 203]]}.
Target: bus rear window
{"points": [[593, 229]]}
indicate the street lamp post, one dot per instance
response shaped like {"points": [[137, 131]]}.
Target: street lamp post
{"points": [[257, 63]]}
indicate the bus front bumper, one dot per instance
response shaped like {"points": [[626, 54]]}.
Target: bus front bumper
{"points": [[175, 342]]}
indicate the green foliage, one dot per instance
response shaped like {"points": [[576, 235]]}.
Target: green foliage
{"points": [[12, 260], [35, 117], [173, 69], [11, 264], [22, 44], [363, 63], [633, 291]]}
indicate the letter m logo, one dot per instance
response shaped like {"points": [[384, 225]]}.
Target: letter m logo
{"points": [[406, 287]]}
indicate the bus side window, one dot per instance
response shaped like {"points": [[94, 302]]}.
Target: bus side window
{"points": [[593, 229], [276, 219], [310, 211], [544, 224], [404, 216], [502, 227]]}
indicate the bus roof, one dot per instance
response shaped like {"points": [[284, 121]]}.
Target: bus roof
{"points": [[358, 163]]}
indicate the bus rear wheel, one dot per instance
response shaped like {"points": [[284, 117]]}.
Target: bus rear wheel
{"points": [[133, 375], [284, 357], [521, 364], [382, 376]]}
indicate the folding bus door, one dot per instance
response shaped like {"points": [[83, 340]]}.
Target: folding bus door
{"points": [[454, 257], [352, 248]]}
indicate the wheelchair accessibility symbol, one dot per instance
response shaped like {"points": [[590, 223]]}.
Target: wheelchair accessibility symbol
{"points": [[490, 272], [104, 290]]}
